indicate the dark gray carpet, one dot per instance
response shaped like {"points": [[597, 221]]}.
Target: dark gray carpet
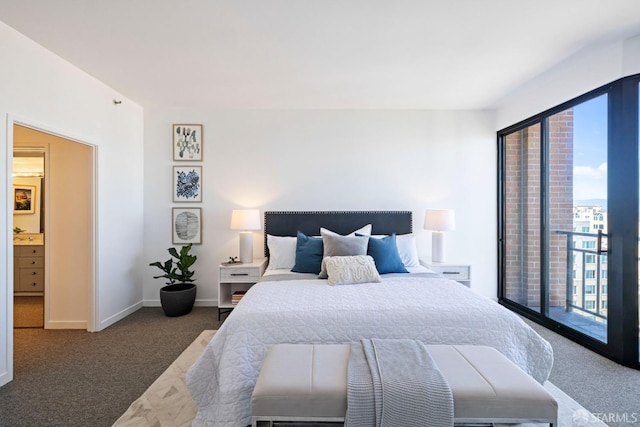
{"points": [[76, 378], [610, 391]]}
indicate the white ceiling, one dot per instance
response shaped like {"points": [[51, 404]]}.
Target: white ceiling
{"points": [[346, 54]]}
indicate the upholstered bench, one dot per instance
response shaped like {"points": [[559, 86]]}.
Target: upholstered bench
{"points": [[308, 383]]}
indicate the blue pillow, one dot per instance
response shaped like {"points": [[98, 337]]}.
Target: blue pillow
{"points": [[309, 251], [385, 255]]}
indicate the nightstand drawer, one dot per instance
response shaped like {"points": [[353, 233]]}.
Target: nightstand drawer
{"points": [[454, 272], [458, 272], [239, 274]]}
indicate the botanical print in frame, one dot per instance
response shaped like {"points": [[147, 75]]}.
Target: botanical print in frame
{"points": [[187, 183], [187, 143], [187, 226], [24, 199]]}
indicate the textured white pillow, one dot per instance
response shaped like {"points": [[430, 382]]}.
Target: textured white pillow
{"points": [[282, 252], [347, 270], [407, 248]]}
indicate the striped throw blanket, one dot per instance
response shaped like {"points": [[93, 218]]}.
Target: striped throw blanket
{"points": [[395, 382]]}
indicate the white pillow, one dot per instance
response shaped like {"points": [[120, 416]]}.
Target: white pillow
{"points": [[365, 231], [408, 250], [348, 270], [282, 252]]}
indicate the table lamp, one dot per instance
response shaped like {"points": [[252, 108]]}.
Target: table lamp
{"points": [[245, 220], [439, 221]]}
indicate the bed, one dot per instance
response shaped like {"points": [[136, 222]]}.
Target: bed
{"points": [[300, 308]]}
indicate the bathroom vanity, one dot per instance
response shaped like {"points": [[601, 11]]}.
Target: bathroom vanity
{"points": [[28, 265]]}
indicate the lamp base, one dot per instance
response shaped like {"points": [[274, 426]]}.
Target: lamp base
{"points": [[437, 246], [246, 247]]}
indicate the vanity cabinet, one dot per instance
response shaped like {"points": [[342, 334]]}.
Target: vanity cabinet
{"points": [[28, 268]]}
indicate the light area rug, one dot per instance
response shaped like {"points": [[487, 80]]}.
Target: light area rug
{"points": [[167, 402]]}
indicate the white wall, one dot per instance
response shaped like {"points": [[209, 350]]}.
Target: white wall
{"points": [[578, 74], [327, 160], [40, 89]]}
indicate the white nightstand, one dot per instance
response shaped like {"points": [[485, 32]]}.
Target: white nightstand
{"points": [[237, 277], [458, 272]]}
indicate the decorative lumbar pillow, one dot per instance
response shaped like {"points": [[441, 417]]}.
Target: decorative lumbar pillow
{"points": [[282, 251], [348, 270], [337, 245], [308, 254], [385, 255]]}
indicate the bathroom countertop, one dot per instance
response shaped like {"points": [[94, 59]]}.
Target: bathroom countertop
{"points": [[28, 239]]}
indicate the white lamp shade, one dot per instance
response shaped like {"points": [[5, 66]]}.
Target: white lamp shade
{"points": [[245, 219], [440, 220]]}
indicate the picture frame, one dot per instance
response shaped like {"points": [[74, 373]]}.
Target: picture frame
{"points": [[186, 226], [187, 143], [24, 199], [187, 183]]}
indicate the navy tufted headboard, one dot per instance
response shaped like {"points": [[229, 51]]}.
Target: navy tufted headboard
{"points": [[341, 222]]}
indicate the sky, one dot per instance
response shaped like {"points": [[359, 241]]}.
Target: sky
{"points": [[590, 149]]}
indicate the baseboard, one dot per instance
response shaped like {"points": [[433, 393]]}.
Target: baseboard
{"points": [[5, 378], [66, 324], [198, 303], [120, 315]]}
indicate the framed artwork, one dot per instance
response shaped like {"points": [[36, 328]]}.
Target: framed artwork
{"points": [[187, 183], [187, 226], [24, 199], [187, 143]]}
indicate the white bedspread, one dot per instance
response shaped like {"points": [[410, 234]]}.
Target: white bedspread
{"points": [[435, 311]]}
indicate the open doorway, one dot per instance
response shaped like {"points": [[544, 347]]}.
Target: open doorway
{"points": [[28, 236], [66, 231]]}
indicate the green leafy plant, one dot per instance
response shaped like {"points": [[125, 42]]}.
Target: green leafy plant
{"points": [[18, 230], [177, 273]]}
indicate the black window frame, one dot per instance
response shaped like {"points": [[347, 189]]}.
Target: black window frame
{"points": [[623, 180]]}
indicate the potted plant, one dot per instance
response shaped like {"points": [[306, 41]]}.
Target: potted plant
{"points": [[178, 297]]}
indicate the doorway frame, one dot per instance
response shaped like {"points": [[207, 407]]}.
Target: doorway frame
{"points": [[92, 291]]}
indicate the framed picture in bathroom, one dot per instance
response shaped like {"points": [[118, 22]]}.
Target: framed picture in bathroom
{"points": [[24, 199]]}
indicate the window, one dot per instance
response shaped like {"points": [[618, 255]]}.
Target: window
{"points": [[554, 172]]}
